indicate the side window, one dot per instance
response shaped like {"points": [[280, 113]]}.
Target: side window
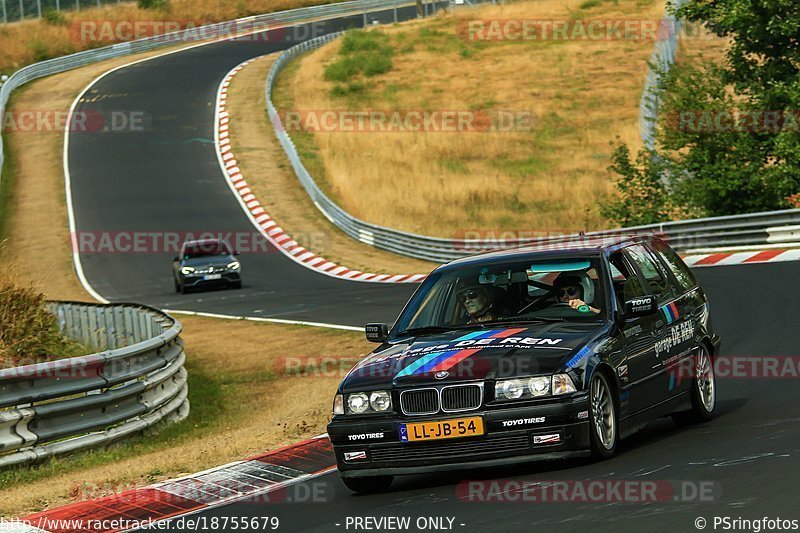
{"points": [[686, 279], [626, 283], [656, 281]]}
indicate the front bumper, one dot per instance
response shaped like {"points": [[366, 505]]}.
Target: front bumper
{"points": [[377, 449], [226, 278]]}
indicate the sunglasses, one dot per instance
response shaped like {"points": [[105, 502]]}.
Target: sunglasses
{"points": [[469, 295], [568, 291]]}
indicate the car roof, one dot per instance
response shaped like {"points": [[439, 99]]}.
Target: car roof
{"points": [[200, 242], [562, 247]]}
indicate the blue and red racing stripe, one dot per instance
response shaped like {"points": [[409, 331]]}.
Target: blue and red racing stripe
{"points": [[438, 361]]}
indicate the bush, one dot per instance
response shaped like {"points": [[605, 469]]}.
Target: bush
{"points": [[374, 64], [28, 332], [641, 195], [152, 4], [41, 51], [54, 17], [362, 53], [342, 70]]}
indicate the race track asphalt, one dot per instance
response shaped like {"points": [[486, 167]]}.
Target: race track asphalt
{"points": [[167, 178]]}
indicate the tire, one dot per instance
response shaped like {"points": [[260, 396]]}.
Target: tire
{"points": [[184, 289], [178, 287], [236, 285], [704, 391], [603, 424], [368, 485]]}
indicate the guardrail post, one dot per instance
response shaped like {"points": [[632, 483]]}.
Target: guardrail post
{"points": [[21, 10], [395, 12], [5, 13], [39, 8], [366, 23]]}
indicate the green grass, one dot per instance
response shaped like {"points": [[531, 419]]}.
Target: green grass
{"points": [[363, 54]]}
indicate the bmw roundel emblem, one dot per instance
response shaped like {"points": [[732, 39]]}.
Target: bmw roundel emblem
{"points": [[441, 375]]}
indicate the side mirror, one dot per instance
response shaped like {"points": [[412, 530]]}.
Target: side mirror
{"points": [[176, 259], [644, 306], [376, 332], [236, 252]]}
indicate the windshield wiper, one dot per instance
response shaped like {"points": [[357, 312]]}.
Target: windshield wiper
{"points": [[529, 320], [428, 330]]}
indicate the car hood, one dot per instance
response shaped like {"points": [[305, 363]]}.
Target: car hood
{"points": [[202, 262], [472, 354]]}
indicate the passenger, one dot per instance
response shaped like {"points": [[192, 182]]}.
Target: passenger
{"points": [[575, 290]]}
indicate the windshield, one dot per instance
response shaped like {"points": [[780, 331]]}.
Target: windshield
{"points": [[552, 290], [205, 249]]}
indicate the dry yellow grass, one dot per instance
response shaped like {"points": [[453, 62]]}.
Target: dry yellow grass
{"points": [[28, 41], [583, 94], [251, 410], [270, 176]]}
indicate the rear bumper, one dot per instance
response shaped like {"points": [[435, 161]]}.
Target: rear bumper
{"points": [[512, 435]]}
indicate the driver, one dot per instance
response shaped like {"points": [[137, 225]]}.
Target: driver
{"points": [[477, 302], [575, 290]]}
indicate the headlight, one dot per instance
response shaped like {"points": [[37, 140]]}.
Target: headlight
{"points": [[380, 401], [338, 404], [358, 403], [187, 270], [539, 386], [510, 390], [234, 265], [562, 384], [534, 387]]}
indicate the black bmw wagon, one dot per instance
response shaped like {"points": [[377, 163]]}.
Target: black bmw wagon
{"points": [[525, 354]]}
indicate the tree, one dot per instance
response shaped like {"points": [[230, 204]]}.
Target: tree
{"points": [[728, 139], [641, 196]]}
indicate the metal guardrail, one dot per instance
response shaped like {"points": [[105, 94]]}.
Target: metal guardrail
{"points": [[738, 230], [660, 63], [229, 29], [135, 379]]}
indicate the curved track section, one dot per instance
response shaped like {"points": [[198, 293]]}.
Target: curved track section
{"points": [[164, 179]]}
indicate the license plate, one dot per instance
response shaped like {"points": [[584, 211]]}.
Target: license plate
{"points": [[212, 276], [442, 429]]}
